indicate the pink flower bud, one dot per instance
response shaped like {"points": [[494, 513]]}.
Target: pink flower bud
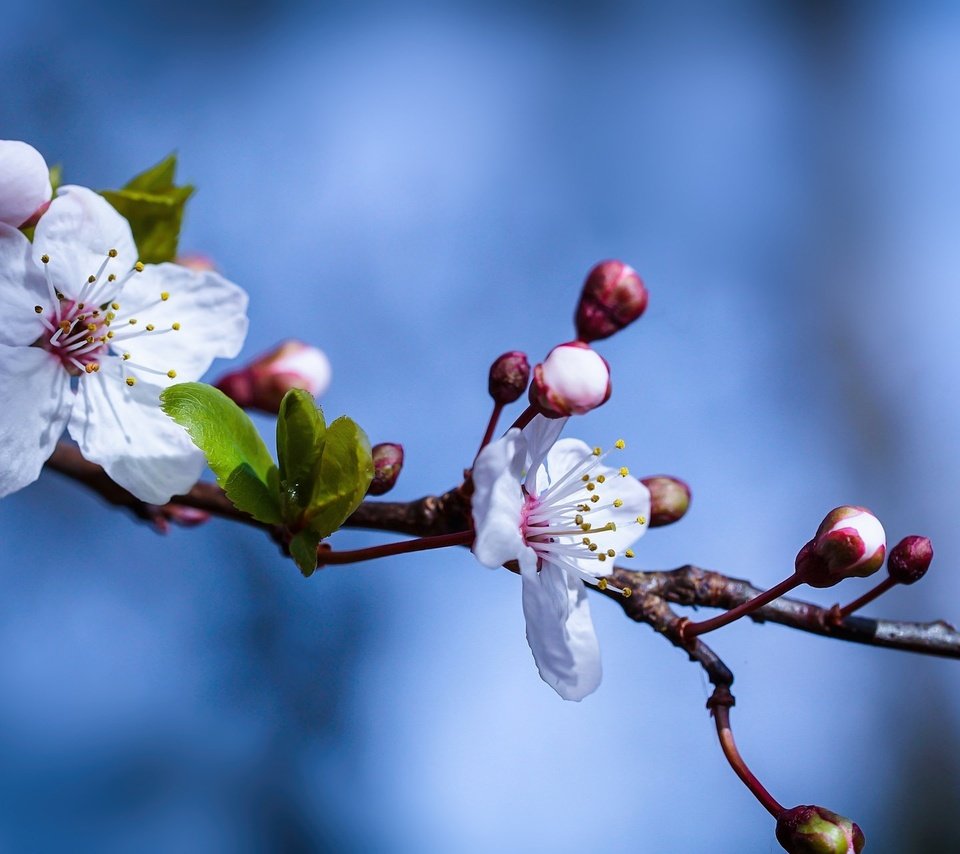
{"points": [[24, 183], [196, 261], [849, 542], [815, 830], [613, 296], [263, 383], [387, 463], [573, 379], [910, 559], [509, 376], [669, 499]]}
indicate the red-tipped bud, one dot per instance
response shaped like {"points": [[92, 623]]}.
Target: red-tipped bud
{"points": [[387, 463], [849, 542], [613, 296], [509, 376], [573, 379], [815, 830], [669, 499], [263, 383], [910, 559]]}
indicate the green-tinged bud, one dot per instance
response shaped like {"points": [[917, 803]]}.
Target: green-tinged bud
{"points": [[815, 830], [909, 559], [669, 499], [509, 376], [387, 463]]}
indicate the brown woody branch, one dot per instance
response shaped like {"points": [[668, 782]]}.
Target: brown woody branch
{"points": [[652, 591]]}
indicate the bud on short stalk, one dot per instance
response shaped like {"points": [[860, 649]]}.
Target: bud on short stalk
{"points": [[573, 379], [387, 463], [815, 830], [669, 499], [613, 297], [910, 559], [263, 383], [509, 376], [849, 542]]}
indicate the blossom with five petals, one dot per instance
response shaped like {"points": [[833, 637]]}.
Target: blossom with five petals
{"points": [[89, 338], [553, 507]]}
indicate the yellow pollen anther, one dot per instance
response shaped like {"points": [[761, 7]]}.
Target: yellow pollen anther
{"points": [[597, 451], [586, 526], [602, 584], [45, 259], [131, 381], [65, 325], [125, 356], [112, 253], [591, 486], [172, 374], [92, 327], [626, 593], [601, 557], [586, 541], [115, 306], [164, 296], [585, 478], [80, 306], [111, 278], [150, 327], [89, 368], [109, 335], [91, 279], [592, 547], [629, 553], [110, 316], [624, 471], [578, 519], [619, 444], [641, 520], [60, 296], [96, 367], [611, 553], [38, 309], [618, 502], [175, 326], [89, 339], [594, 498], [138, 266], [132, 321], [601, 478]]}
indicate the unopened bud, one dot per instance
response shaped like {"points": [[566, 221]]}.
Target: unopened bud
{"points": [[815, 830], [24, 183], [849, 542], [263, 383], [613, 296], [509, 376], [910, 559], [573, 379], [669, 499], [387, 463]]}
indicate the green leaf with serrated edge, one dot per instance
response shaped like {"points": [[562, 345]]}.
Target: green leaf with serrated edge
{"points": [[346, 469], [303, 549], [233, 447], [153, 205], [300, 440]]}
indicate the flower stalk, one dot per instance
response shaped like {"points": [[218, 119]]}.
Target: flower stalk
{"points": [[327, 556]]}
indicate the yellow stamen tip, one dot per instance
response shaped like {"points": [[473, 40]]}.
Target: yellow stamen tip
{"points": [[618, 502], [601, 478], [138, 266], [586, 526], [641, 520], [586, 541], [132, 321], [594, 498], [89, 368], [591, 486], [619, 444], [172, 374], [592, 547], [91, 279], [45, 259], [112, 253], [585, 478], [601, 557], [629, 553], [175, 326], [150, 327], [126, 356], [115, 306], [111, 278], [578, 519], [611, 553], [597, 451], [131, 381], [626, 593], [164, 296], [624, 471], [38, 309], [602, 584]]}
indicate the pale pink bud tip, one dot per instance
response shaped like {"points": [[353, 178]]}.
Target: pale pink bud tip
{"points": [[509, 376], [387, 463], [573, 379], [263, 383], [669, 499], [849, 542], [910, 559], [198, 262], [613, 297], [815, 830]]}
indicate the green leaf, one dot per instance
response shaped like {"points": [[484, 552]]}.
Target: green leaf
{"points": [[300, 440], [153, 205], [346, 469], [303, 549], [233, 447], [56, 177]]}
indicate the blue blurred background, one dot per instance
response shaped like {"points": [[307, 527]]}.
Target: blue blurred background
{"points": [[416, 188]]}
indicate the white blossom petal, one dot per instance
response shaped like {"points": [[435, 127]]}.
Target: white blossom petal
{"points": [[21, 287], [209, 311], [564, 456], [78, 230], [24, 182], [636, 503], [498, 502], [35, 390], [540, 435], [124, 430], [560, 631]]}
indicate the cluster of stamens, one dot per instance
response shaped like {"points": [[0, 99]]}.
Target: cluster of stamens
{"points": [[555, 523], [80, 332]]}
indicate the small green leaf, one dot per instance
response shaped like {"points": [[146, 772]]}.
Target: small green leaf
{"points": [[303, 549], [346, 469], [233, 447], [153, 205], [300, 440], [56, 177]]}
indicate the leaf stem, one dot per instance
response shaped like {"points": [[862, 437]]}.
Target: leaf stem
{"points": [[327, 556]]}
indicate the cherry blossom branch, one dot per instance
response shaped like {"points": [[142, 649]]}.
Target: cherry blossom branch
{"points": [[450, 514]]}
